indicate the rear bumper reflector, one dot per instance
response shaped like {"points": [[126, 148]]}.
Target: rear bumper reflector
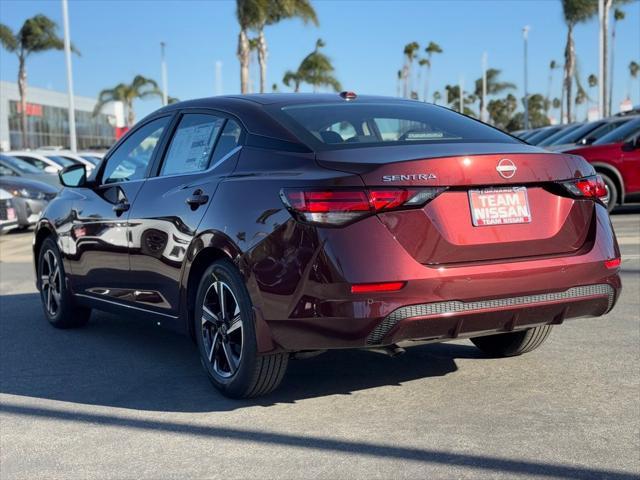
{"points": [[613, 263], [377, 287], [451, 307]]}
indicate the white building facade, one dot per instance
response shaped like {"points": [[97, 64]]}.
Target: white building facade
{"points": [[48, 120]]}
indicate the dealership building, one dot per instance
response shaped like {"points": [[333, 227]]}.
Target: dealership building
{"points": [[48, 120]]}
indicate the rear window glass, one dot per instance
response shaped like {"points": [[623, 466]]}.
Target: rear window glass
{"points": [[348, 125]]}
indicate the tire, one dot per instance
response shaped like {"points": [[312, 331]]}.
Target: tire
{"points": [[614, 195], [514, 343], [57, 301], [226, 336]]}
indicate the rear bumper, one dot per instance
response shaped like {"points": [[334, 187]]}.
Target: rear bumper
{"points": [[436, 304]]}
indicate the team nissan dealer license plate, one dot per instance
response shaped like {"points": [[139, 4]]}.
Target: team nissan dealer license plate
{"points": [[499, 206]]}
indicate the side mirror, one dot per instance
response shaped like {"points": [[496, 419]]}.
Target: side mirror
{"points": [[73, 176]]}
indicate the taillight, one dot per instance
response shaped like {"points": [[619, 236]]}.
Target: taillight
{"points": [[342, 206], [588, 187]]}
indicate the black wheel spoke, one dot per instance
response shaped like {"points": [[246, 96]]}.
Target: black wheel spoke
{"points": [[222, 331]]}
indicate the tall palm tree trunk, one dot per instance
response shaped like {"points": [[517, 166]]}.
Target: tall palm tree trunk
{"points": [[262, 59], [22, 89], [244, 55], [605, 62], [569, 67]]}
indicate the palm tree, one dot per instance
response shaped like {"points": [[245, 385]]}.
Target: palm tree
{"points": [[315, 69], [410, 50], [592, 80], [141, 87], [256, 15], [634, 69], [618, 15], [432, 48], [422, 63], [574, 11], [437, 96], [553, 66], [494, 86], [453, 99], [37, 34]]}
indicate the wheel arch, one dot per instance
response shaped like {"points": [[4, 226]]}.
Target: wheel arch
{"points": [[615, 175], [205, 249], [43, 231]]}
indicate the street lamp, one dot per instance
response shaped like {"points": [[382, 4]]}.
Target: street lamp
{"points": [[163, 67], [73, 144], [525, 36]]}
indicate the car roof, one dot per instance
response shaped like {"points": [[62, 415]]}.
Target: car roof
{"points": [[251, 111]]}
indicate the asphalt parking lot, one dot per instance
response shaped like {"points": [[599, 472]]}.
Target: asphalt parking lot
{"points": [[122, 398]]}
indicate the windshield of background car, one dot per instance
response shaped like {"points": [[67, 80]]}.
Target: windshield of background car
{"points": [[352, 125], [63, 161], [21, 165], [621, 134]]}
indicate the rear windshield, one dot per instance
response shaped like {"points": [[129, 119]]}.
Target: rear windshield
{"points": [[621, 134], [350, 125]]}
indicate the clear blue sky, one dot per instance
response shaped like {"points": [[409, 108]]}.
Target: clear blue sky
{"points": [[365, 39]]}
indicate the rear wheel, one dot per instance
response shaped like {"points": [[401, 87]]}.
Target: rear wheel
{"points": [[226, 336], [514, 343], [612, 191], [57, 302]]}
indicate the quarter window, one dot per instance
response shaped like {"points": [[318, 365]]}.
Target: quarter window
{"points": [[131, 159], [191, 146], [229, 140]]}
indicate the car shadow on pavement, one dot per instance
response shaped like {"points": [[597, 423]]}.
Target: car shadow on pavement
{"points": [[130, 363]]}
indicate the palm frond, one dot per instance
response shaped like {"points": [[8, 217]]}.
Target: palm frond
{"points": [[8, 38]]}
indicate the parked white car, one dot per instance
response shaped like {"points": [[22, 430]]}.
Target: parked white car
{"points": [[41, 162]]}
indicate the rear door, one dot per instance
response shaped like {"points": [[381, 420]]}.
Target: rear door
{"points": [[98, 238], [631, 166], [203, 149]]}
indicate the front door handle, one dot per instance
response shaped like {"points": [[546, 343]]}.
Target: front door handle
{"points": [[197, 198], [121, 207]]}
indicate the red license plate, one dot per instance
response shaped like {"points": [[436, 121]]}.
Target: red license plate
{"points": [[500, 206], [11, 214]]}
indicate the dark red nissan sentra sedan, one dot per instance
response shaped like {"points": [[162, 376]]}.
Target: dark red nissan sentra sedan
{"points": [[271, 227]]}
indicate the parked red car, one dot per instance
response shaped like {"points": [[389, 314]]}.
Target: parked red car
{"points": [[616, 157]]}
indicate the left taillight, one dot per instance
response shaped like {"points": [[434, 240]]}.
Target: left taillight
{"points": [[588, 187], [335, 207]]}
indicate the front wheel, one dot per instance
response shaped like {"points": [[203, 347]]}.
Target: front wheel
{"points": [[57, 302], [513, 343], [226, 336]]}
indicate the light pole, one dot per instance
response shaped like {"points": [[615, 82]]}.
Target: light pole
{"points": [[601, 80], [163, 67], [461, 89], [483, 114], [525, 36], [67, 56]]}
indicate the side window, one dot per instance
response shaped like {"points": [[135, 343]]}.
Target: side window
{"points": [[6, 171], [229, 139], [192, 143], [36, 162], [131, 160]]}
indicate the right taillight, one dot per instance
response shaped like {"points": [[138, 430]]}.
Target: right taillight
{"points": [[335, 207], [588, 187]]}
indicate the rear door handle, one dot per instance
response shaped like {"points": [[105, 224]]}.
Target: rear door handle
{"points": [[197, 198], [121, 207]]}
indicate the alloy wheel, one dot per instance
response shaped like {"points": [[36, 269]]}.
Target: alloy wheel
{"points": [[222, 332], [50, 282]]}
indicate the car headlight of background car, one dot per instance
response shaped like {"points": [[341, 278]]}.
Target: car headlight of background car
{"points": [[28, 193]]}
